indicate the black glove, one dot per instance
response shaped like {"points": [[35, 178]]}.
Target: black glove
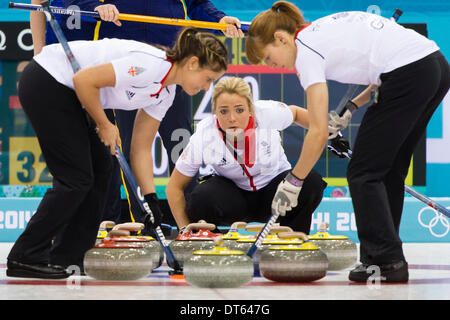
{"points": [[340, 147], [153, 203]]}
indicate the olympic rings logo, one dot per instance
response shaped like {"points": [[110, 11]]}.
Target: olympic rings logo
{"points": [[436, 230]]}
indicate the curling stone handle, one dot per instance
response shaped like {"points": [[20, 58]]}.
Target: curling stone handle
{"points": [[238, 225], [258, 227], [129, 226], [218, 241], [107, 224], [254, 227], [287, 235], [323, 227], [118, 233], [200, 226], [278, 229]]}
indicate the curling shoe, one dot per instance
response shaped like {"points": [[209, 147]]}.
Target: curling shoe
{"points": [[35, 270], [395, 272]]}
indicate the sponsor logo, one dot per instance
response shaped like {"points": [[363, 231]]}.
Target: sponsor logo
{"points": [[130, 94], [222, 162]]}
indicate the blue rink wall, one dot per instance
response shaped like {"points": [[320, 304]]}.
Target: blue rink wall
{"points": [[420, 223]]}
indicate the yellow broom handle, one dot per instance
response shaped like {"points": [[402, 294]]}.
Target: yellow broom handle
{"points": [[174, 22], [132, 17]]}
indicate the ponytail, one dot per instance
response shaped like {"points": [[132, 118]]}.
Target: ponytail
{"points": [[283, 15], [210, 51]]}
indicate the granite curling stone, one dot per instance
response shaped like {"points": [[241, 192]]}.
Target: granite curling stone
{"points": [[218, 267], [114, 261], [197, 236], [293, 263], [340, 250], [268, 242], [245, 243], [121, 234], [233, 233], [271, 239]]}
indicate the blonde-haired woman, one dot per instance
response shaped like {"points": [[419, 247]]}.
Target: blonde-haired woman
{"points": [[242, 144]]}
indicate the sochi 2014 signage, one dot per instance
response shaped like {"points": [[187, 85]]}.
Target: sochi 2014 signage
{"points": [[420, 223]]}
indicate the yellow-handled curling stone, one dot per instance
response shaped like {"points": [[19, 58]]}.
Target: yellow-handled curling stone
{"points": [[218, 267], [245, 243], [197, 236], [105, 227], [268, 242], [293, 263], [340, 250], [233, 233]]}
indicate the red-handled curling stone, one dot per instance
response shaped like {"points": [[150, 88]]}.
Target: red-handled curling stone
{"points": [[112, 261], [122, 233], [197, 236]]}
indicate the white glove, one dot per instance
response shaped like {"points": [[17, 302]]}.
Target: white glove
{"points": [[287, 194], [337, 122]]}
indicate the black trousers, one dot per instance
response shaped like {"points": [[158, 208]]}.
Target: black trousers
{"points": [[178, 116], [70, 212], [220, 201], [387, 137]]}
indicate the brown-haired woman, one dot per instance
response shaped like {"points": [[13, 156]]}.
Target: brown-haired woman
{"points": [[366, 49], [118, 74]]}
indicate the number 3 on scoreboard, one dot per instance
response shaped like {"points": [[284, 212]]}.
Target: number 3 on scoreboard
{"points": [[26, 163]]}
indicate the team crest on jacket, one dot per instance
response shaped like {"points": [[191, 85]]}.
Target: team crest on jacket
{"points": [[135, 71]]}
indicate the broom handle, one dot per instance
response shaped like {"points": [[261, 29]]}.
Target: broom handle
{"points": [[131, 17]]}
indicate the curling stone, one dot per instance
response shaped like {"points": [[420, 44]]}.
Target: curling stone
{"points": [[233, 234], [245, 243], [268, 242], [112, 261], [197, 236], [105, 227], [121, 233], [340, 250], [218, 267], [293, 263]]}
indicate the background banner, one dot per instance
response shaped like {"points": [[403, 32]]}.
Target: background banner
{"points": [[420, 223]]}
